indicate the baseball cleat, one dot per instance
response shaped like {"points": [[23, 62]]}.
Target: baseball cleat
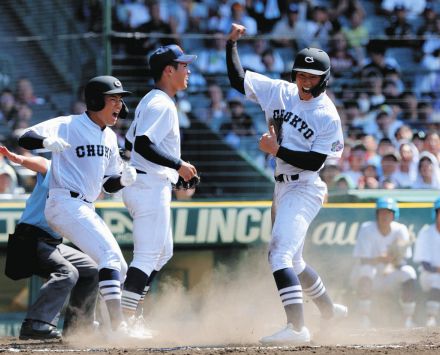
{"points": [[287, 336], [138, 326], [409, 323]]}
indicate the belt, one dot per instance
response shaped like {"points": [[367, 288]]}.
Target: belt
{"points": [[286, 178], [77, 195], [140, 171]]}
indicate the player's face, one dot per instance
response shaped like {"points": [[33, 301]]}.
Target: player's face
{"points": [[181, 76], [384, 217], [109, 114], [306, 82]]}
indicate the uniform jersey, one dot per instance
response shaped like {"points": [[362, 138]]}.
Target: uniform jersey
{"points": [[34, 211], [371, 243], [312, 125], [156, 117], [93, 154], [428, 246]]}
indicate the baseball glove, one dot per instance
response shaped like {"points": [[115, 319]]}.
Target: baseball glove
{"points": [[181, 184]]}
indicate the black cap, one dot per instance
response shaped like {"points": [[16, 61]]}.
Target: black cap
{"points": [[165, 55], [104, 85]]}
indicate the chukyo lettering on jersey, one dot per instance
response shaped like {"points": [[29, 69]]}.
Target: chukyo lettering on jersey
{"points": [[295, 121], [92, 150]]}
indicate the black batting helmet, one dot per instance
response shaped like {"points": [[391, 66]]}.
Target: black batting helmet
{"points": [[313, 61], [99, 86]]}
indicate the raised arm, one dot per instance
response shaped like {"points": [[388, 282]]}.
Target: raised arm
{"points": [[235, 69]]}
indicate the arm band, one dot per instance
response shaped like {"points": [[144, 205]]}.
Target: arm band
{"points": [[235, 70], [31, 140], [428, 267], [112, 184], [304, 160], [146, 148]]}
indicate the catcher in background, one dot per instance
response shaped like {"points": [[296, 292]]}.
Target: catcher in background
{"points": [[427, 253], [154, 141], [382, 249]]}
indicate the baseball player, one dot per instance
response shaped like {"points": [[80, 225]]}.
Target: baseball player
{"points": [[154, 141], [67, 270], [382, 249], [304, 129], [85, 160], [427, 253]]}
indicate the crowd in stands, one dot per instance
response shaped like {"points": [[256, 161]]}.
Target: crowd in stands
{"points": [[385, 57]]}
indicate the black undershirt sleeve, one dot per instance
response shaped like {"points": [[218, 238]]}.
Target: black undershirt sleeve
{"points": [[303, 160], [235, 70], [145, 147], [128, 145], [428, 267], [31, 140], [112, 184]]}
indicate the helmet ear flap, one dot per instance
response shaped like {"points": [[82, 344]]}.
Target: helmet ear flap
{"points": [[124, 110]]}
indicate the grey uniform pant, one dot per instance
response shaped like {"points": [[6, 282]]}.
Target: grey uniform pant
{"points": [[68, 271]]}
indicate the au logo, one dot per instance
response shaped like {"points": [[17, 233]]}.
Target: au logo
{"points": [[309, 59]]}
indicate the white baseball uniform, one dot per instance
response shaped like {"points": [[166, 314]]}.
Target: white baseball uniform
{"points": [[79, 171], [312, 125], [427, 249], [148, 199], [370, 244]]}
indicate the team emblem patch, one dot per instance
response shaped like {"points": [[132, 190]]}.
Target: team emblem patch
{"points": [[337, 146], [117, 83], [309, 59]]}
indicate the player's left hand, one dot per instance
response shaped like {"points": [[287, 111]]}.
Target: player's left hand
{"points": [[268, 142], [128, 175], [15, 158]]}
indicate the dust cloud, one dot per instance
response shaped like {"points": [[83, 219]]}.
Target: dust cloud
{"points": [[238, 304]]}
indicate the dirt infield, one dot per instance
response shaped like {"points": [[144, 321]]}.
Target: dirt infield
{"points": [[378, 341]]}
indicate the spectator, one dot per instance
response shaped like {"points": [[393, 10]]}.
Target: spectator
{"points": [[212, 58], [390, 165], [357, 35], [342, 62], [190, 17], [378, 64], [403, 134], [414, 8], [287, 30], [399, 28], [369, 178], [8, 177], [317, 32], [240, 124], [238, 15], [407, 170], [25, 93], [385, 124], [8, 108], [428, 172], [215, 113], [265, 12], [419, 140], [254, 59], [356, 161], [345, 8], [428, 81], [329, 173], [409, 105], [154, 28], [432, 144]]}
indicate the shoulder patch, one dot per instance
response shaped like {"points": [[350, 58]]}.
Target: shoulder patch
{"points": [[337, 146]]}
